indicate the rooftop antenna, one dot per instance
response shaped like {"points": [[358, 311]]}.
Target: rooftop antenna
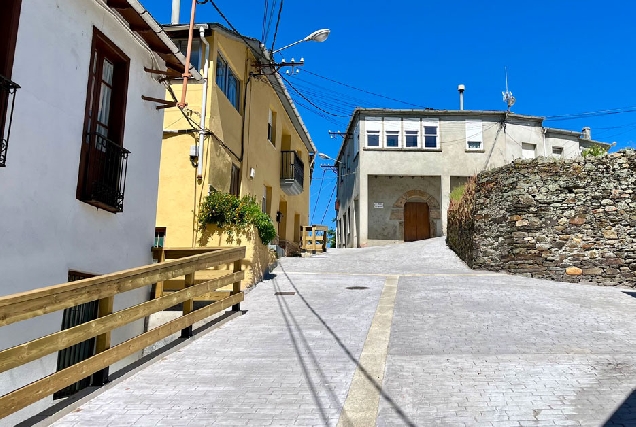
{"points": [[507, 95]]}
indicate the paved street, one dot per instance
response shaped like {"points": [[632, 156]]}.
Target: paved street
{"points": [[422, 340]]}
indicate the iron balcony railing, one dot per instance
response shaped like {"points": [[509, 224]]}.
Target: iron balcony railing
{"points": [[105, 173], [7, 102], [292, 168]]}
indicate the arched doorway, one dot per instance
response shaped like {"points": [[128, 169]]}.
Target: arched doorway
{"points": [[416, 221]]}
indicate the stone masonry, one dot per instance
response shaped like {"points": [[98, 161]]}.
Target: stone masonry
{"points": [[572, 220]]}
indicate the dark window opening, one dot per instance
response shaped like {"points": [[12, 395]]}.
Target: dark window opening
{"points": [[227, 81], [69, 356], [103, 159], [160, 237], [235, 181], [9, 20]]}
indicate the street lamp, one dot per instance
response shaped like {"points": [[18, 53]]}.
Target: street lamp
{"points": [[317, 36]]}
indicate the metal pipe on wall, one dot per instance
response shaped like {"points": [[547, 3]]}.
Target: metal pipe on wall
{"points": [[204, 101]]}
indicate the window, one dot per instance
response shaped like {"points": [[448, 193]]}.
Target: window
{"points": [[195, 53], [9, 20], [557, 151], [160, 237], [271, 127], [267, 199], [528, 150], [227, 81], [373, 138], [392, 138], [103, 159], [356, 141], [373, 127], [474, 136], [410, 138], [430, 136], [235, 181]]}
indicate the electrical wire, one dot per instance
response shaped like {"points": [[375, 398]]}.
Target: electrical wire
{"points": [[585, 114], [309, 100], [280, 10], [264, 21], [328, 204], [318, 197]]}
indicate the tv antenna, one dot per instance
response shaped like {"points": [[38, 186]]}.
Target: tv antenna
{"points": [[508, 98]]}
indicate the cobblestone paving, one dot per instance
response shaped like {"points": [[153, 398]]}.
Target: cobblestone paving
{"points": [[465, 349]]}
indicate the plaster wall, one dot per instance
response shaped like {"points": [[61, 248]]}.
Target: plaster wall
{"points": [[452, 161], [180, 193], [45, 230], [387, 195]]}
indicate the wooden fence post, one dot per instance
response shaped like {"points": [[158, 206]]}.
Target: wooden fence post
{"points": [[236, 286], [102, 342], [159, 285], [188, 305]]}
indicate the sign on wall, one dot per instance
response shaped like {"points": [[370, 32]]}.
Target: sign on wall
{"points": [[378, 205]]}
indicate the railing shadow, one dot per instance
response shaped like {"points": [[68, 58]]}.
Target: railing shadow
{"points": [[346, 350]]}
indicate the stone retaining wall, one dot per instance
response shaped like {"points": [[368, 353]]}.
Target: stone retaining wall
{"points": [[572, 220]]}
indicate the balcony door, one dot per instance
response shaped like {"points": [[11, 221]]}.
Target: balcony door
{"points": [[416, 221]]}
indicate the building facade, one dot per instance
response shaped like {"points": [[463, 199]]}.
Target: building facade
{"points": [[255, 143], [80, 156], [397, 168]]}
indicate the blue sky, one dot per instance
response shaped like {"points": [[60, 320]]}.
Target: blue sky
{"points": [[563, 57]]}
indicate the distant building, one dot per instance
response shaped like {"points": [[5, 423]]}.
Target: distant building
{"points": [[397, 168], [79, 161]]}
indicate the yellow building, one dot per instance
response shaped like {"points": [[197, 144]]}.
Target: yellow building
{"points": [[257, 143]]}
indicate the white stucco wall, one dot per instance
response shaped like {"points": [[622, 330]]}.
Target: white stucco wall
{"points": [[44, 229]]}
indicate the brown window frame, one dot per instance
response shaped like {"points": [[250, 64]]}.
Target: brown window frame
{"points": [[103, 48], [9, 23]]}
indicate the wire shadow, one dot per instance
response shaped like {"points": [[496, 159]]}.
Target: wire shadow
{"points": [[407, 421]]}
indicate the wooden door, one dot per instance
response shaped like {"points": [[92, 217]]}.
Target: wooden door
{"points": [[416, 221]]}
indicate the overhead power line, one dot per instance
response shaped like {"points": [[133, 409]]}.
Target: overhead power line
{"points": [[280, 10], [585, 114]]}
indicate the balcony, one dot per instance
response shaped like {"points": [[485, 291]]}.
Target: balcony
{"points": [[292, 173], [7, 101], [104, 180]]}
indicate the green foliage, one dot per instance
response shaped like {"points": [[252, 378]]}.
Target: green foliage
{"points": [[235, 215], [331, 235], [595, 151], [457, 193]]}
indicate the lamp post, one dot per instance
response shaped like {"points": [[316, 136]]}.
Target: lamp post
{"points": [[317, 36]]}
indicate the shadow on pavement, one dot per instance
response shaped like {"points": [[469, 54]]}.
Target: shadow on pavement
{"points": [[350, 355], [625, 415]]}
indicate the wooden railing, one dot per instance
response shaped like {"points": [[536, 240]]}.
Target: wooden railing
{"points": [[314, 238], [27, 305]]}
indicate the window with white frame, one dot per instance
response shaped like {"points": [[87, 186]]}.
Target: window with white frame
{"points": [[392, 127], [474, 135], [373, 127], [430, 132], [411, 133], [271, 127]]}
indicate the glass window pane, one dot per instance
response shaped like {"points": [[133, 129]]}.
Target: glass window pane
{"points": [[475, 145], [430, 141], [232, 89], [221, 68], [103, 114], [411, 138], [430, 130], [373, 140], [107, 72], [392, 139]]}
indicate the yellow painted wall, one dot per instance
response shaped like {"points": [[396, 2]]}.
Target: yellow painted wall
{"points": [[180, 193]]}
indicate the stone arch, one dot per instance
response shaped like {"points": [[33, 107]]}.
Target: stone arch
{"points": [[397, 211]]}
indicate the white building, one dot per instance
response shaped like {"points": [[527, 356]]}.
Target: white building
{"points": [[79, 175], [396, 168]]}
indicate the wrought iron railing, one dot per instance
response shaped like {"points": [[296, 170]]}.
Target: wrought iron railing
{"points": [[7, 103], [105, 173], [292, 167]]}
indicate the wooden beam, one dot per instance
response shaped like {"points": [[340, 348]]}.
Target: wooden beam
{"points": [[26, 305], [31, 393], [188, 305], [33, 350], [102, 341]]}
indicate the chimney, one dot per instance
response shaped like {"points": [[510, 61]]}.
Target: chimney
{"points": [[176, 6], [586, 133], [461, 89]]}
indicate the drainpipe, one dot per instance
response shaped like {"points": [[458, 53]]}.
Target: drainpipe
{"points": [[204, 102]]}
